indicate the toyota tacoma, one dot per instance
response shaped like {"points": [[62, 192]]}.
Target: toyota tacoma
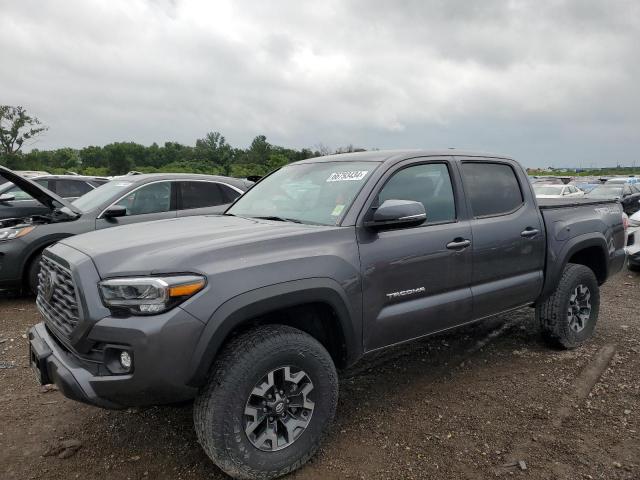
{"points": [[322, 262]]}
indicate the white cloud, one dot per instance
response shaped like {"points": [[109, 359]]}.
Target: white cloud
{"points": [[551, 79]]}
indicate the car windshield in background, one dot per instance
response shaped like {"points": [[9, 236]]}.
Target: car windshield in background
{"points": [[548, 189], [606, 191], [617, 181], [314, 193], [93, 199]]}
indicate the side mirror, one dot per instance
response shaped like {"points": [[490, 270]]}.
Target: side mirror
{"points": [[398, 213], [7, 197], [115, 211]]}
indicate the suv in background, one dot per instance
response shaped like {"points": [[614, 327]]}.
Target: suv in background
{"points": [[15, 202], [131, 199]]}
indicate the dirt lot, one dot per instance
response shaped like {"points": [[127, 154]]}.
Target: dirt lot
{"points": [[466, 405]]}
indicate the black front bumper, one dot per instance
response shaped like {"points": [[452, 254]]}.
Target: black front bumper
{"points": [[51, 364]]}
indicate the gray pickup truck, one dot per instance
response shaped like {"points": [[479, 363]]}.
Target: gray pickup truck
{"points": [[319, 264]]}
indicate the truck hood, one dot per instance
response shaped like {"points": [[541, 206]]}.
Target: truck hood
{"points": [[41, 194], [180, 244]]}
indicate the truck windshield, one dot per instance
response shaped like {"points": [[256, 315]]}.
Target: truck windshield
{"points": [[314, 193]]}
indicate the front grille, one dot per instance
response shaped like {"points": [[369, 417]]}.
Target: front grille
{"points": [[57, 296]]}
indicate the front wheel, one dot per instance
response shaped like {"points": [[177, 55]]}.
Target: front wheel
{"points": [[269, 402], [569, 316]]}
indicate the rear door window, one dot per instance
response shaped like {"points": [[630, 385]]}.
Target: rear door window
{"points": [[200, 195], [492, 188]]}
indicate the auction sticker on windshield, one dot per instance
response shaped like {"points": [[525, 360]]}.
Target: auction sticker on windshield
{"points": [[347, 176]]}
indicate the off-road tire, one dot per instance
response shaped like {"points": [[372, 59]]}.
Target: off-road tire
{"points": [[633, 267], [219, 406], [552, 313], [32, 274]]}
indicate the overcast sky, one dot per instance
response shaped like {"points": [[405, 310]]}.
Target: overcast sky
{"points": [[549, 82]]}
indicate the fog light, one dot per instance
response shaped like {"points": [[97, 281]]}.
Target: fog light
{"points": [[125, 360]]}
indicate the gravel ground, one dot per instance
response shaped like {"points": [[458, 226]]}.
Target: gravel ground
{"points": [[485, 401]]}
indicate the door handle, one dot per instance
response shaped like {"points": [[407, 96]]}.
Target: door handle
{"points": [[458, 244], [529, 232]]}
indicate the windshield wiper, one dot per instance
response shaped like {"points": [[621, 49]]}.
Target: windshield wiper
{"points": [[278, 219]]}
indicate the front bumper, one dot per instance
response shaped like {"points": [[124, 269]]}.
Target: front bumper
{"points": [[52, 364], [161, 348]]}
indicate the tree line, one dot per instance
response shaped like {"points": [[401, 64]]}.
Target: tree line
{"points": [[210, 154]]}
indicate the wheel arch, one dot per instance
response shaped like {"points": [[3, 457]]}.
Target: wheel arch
{"points": [[318, 306], [588, 250]]}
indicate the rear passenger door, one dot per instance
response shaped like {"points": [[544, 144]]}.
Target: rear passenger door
{"points": [[201, 197], [416, 280], [508, 237]]}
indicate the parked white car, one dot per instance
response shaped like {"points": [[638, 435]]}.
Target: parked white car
{"points": [[557, 191], [633, 242]]}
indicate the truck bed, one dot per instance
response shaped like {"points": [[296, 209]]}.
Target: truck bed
{"points": [[575, 222]]}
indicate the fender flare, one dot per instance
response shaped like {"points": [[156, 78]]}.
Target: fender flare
{"points": [[242, 308], [555, 266]]}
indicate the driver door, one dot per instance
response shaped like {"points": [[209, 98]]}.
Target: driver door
{"points": [[153, 201], [416, 280]]}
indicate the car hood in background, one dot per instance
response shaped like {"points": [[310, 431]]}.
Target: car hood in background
{"points": [[180, 244], [41, 194]]}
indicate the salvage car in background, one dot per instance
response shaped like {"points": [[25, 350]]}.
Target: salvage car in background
{"points": [[633, 242], [15, 202], [627, 194], [556, 191], [138, 198]]}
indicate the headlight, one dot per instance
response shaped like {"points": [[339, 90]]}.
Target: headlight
{"points": [[14, 232], [149, 295]]}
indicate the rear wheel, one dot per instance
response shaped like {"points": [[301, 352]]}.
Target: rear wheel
{"points": [[32, 274], [268, 404], [569, 316]]}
